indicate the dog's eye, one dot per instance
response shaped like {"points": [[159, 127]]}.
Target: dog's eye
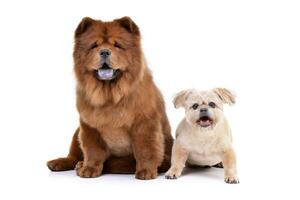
{"points": [[212, 104], [118, 45], [195, 106], [94, 45]]}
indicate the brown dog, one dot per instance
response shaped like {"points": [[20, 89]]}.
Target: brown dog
{"points": [[123, 124]]}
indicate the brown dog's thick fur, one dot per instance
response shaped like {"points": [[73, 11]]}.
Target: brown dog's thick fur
{"points": [[123, 124]]}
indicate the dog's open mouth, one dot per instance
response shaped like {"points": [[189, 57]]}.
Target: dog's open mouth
{"points": [[106, 73], [204, 121]]}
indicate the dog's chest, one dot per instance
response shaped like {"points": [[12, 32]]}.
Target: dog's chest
{"points": [[117, 140], [203, 150], [111, 124], [114, 117]]}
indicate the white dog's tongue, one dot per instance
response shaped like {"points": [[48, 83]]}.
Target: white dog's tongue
{"points": [[106, 74]]}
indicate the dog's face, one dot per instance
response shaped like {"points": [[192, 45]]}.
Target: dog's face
{"points": [[107, 50], [108, 59], [204, 109]]}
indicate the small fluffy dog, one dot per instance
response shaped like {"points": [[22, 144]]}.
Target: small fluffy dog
{"points": [[203, 137]]}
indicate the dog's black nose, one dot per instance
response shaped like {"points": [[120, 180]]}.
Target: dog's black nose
{"points": [[104, 53], [203, 110]]}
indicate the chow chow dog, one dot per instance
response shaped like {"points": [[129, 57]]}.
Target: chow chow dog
{"points": [[204, 137], [123, 125]]}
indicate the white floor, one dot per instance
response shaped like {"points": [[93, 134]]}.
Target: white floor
{"points": [[195, 183]]}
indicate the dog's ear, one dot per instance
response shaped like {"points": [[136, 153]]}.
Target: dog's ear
{"points": [[227, 96], [129, 25], [180, 98], [84, 25]]}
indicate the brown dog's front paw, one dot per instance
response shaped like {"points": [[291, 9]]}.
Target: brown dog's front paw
{"points": [[146, 174], [61, 164], [232, 180], [88, 171]]}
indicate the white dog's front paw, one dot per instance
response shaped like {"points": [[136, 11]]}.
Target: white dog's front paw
{"points": [[173, 173], [232, 179]]}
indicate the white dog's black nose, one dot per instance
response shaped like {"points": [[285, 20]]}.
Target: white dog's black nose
{"points": [[203, 110]]}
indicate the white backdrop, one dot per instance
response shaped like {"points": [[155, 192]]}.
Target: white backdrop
{"points": [[251, 47]]}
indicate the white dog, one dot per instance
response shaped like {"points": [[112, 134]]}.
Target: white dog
{"points": [[203, 137]]}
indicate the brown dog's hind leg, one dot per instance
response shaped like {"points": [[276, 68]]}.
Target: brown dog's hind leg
{"points": [[168, 144], [165, 165], [69, 162]]}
